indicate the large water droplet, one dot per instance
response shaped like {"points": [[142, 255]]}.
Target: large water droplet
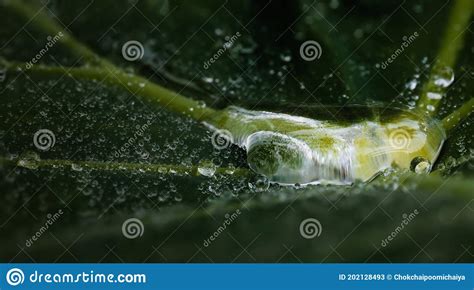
{"points": [[207, 168], [444, 78], [29, 160], [420, 165]]}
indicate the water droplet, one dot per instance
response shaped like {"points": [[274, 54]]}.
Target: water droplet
{"points": [[334, 4], [29, 160], [285, 57], [76, 167], [230, 169], [208, 80], [445, 77], [412, 85], [262, 184], [207, 168], [178, 197], [358, 33], [434, 96], [450, 162], [420, 165]]}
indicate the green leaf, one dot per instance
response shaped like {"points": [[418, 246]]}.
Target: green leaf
{"points": [[119, 155]]}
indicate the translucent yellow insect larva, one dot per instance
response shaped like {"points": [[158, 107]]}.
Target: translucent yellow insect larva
{"points": [[289, 149]]}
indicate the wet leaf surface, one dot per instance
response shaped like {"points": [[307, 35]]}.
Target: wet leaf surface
{"points": [[197, 189]]}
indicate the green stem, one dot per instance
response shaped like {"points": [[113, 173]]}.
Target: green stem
{"points": [[42, 21], [451, 45], [119, 166], [136, 85], [453, 119], [109, 73]]}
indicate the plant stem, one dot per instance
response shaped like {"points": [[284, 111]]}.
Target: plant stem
{"points": [[109, 73], [453, 119], [121, 166], [451, 45]]}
